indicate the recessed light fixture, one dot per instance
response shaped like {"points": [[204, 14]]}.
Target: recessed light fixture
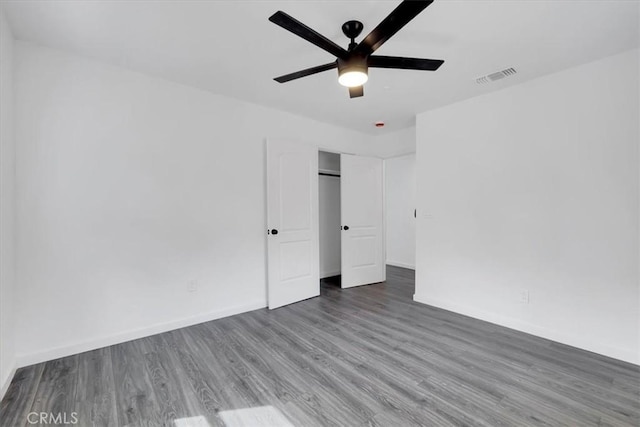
{"points": [[379, 124]]}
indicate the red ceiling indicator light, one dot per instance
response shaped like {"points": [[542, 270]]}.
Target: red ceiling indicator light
{"points": [[379, 124]]}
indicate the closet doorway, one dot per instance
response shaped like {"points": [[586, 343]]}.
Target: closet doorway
{"points": [[312, 235], [351, 215], [329, 214]]}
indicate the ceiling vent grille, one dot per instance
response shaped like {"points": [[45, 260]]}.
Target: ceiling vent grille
{"points": [[496, 76]]}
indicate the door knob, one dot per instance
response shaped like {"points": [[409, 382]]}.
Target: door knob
{"points": [[274, 231], [346, 227]]}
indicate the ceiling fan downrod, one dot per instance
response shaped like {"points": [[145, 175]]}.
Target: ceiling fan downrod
{"points": [[352, 29]]}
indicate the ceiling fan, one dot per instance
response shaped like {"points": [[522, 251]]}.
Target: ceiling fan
{"points": [[353, 63]]}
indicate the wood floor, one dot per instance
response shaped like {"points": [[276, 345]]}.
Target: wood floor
{"points": [[366, 356]]}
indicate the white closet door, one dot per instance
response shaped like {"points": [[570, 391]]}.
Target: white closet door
{"points": [[292, 218], [361, 189]]}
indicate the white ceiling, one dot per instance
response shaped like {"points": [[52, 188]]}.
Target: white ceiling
{"points": [[230, 48]]}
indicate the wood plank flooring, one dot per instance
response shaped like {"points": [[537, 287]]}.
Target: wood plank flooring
{"points": [[366, 356]]}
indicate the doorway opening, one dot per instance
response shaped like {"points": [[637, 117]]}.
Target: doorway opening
{"points": [[329, 219], [352, 233]]}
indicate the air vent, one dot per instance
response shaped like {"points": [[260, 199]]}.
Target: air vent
{"points": [[496, 76]]}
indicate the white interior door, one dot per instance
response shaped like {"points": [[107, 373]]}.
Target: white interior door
{"points": [[361, 189], [292, 218]]}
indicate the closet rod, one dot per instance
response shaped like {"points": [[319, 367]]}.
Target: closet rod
{"points": [[329, 174]]}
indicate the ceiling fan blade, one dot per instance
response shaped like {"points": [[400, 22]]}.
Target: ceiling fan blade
{"points": [[375, 61], [405, 12], [355, 92], [298, 28], [305, 73]]}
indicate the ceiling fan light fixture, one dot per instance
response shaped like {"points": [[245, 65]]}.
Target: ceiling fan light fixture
{"points": [[353, 78], [352, 72]]}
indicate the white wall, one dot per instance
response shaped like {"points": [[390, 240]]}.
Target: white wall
{"points": [[129, 187], [7, 208], [398, 143], [330, 236], [536, 188], [400, 193]]}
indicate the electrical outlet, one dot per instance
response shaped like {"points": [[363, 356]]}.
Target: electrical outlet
{"points": [[192, 286], [524, 296]]}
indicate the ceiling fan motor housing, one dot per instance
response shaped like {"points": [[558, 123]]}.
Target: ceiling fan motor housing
{"points": [[351, 64]]}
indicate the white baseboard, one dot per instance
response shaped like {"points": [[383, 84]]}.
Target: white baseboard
{"points": [[80, 347], [584, 343], [7, 381], [330, 274], [401, 264]]}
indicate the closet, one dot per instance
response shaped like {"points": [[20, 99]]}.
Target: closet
{"points": [[329, 213], [341, 229]]}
